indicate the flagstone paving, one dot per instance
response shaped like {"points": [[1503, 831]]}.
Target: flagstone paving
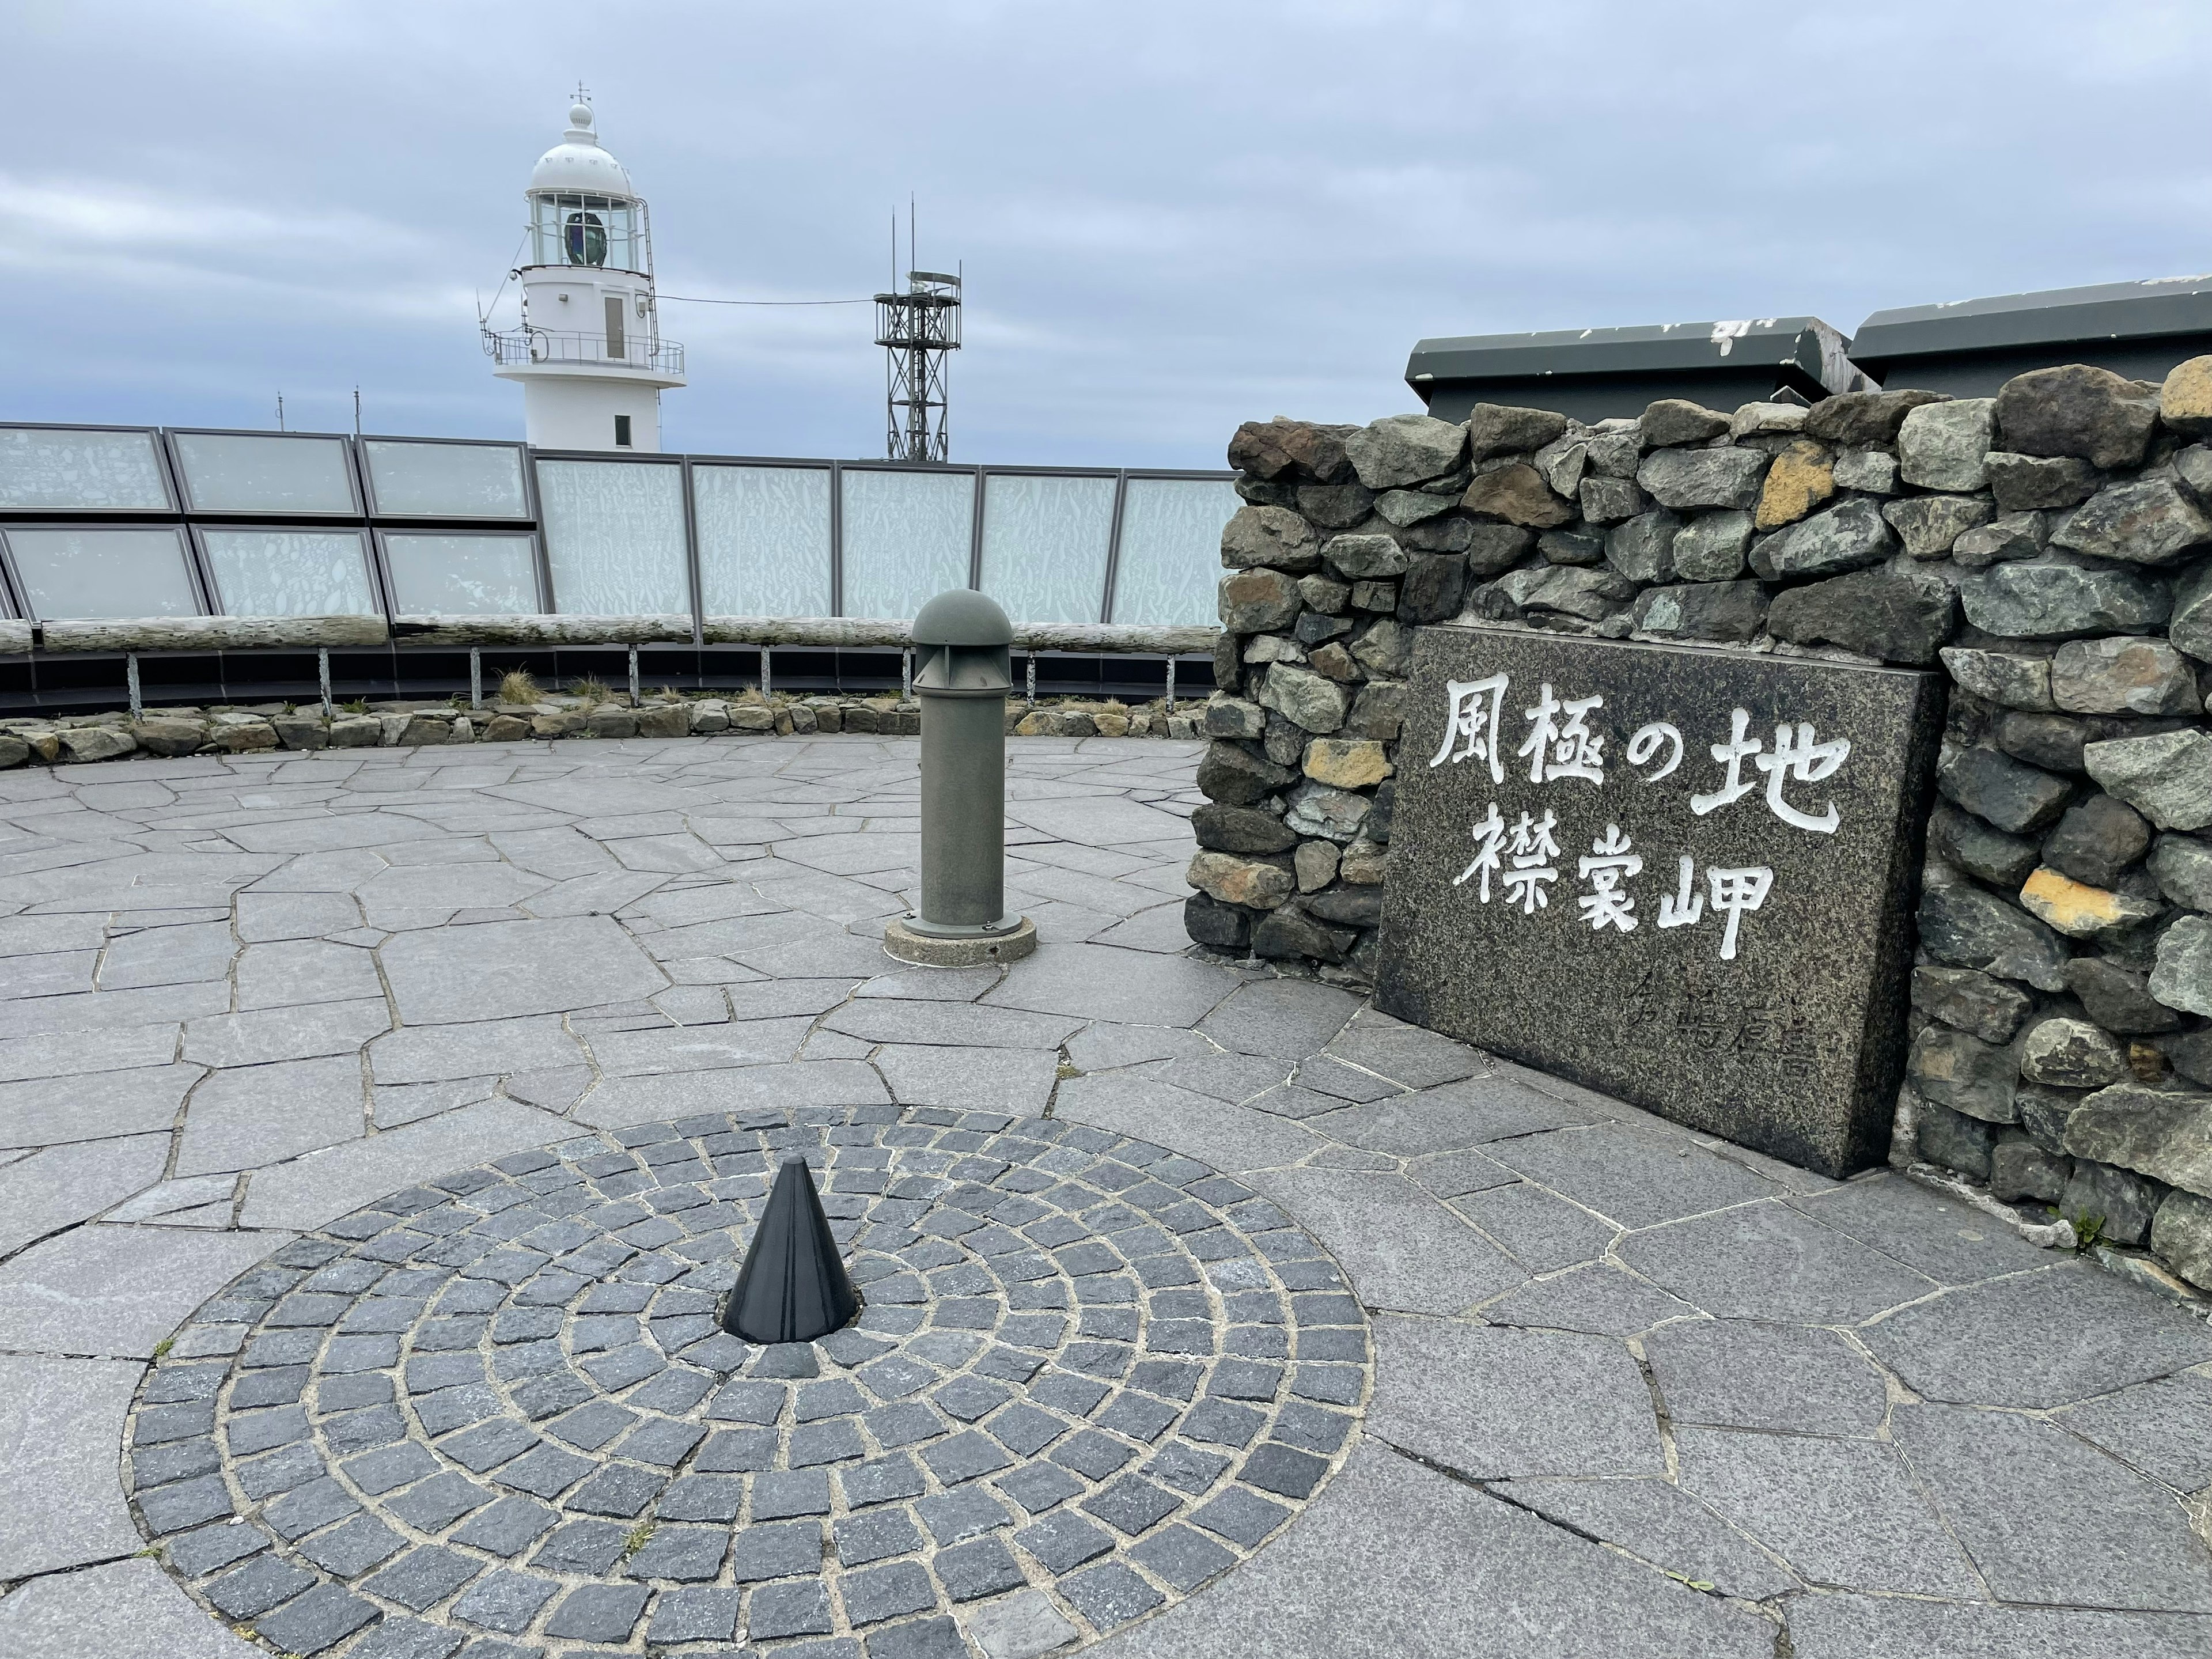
{"points": [[377, 1129]]}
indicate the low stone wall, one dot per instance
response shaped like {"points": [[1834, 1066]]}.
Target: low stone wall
{"points": [[169, 732], [2049, 550]]}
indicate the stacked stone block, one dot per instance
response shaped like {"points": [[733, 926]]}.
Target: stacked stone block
{"points": [[73, 739], [2048, 550]]}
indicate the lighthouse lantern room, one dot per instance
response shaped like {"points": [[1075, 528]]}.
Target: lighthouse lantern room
{"points": [[588, 353]]}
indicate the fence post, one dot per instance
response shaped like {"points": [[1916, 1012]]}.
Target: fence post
{"points": [[476, 677], [1170, 685], [323, 677], [633, 676], [768, 672], [130, 677]]}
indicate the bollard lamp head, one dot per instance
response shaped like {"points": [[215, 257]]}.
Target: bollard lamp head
{"points": [[962, 617]]}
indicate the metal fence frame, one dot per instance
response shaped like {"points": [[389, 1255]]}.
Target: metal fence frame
{"points": [[366, 516]]}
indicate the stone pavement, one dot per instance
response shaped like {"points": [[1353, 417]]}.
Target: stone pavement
{"points": [[459, 1075]]}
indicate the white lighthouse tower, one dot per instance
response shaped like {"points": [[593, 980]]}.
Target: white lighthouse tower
{"points": [[589, 353]]}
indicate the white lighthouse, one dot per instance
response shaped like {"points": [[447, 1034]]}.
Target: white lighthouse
{"points": [[589, 353]]}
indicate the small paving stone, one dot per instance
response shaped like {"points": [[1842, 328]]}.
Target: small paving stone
{"points": [[507, 1527], [881, 1480], [303, 1510], [876, 1536], [694, 1614], [1038, 1486], [619, 1489], [960, 1513], [924, 1638], [794, 1609], [981, 1567], [599, 1613], [423, 1576], [352, 1549], [689, 1554], [580, 1546], [837, 1441], [730, 1450], [1064, 1540], [1111, 1594], [877, 1594], [905, 1423], [1184, 1558], [783, 1493], [1132, 1504], [963, 1457], [322, 1618], [505, 1601], [1242, 1517], [777, 1552], [258, 1586], [1021, 1627], [199, 1553], [1281, 1470], [407, 1638], [438, 1502], [187, 1503], [390, 1467]]}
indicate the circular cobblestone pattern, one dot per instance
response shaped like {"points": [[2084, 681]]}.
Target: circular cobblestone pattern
{"points": [[494, 1416]]}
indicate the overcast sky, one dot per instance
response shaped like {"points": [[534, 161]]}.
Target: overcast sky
{"points": [[1173, 216]]}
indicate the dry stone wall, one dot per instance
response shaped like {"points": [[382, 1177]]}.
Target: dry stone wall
{"points": [[163, 732], [2048, 550]]}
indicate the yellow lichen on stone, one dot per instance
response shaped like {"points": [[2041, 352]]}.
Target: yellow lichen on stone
{"points": [[1347, 762], [1236, 880], [1802, 478], [2184, 402], [2076, 909]]}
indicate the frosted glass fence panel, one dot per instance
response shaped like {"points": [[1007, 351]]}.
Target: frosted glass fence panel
{"points": [[1170, 561], [111, 471], [446, 481], [70, 574], [1044, 545], [462, 575], [907, 539], [289, 573], [763, 540], [614, 538], [243, 473]]}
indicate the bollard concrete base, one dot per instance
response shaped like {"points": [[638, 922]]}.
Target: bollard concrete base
{"points": [[971, 951]]}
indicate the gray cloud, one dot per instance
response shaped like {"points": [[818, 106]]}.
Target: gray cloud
{"points": [[1173, 217]]}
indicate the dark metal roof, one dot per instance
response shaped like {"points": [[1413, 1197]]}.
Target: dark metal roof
{"points": [[2053, 319], [1805, 344]]}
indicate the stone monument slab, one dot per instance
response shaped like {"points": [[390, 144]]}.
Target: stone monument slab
{"points": [[1683, 876]]}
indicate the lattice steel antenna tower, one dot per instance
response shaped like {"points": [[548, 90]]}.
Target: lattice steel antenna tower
{"points": [[916, 329]]}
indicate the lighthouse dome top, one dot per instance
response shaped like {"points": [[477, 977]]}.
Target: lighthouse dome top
{"points": [[578, 163]]}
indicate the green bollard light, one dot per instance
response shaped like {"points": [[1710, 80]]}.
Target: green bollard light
{"points": [[963, 672]]}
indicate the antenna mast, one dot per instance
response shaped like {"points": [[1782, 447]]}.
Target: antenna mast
{"points": [[916, 329]]}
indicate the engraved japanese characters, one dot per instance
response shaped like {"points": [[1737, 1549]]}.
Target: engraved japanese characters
{"points": [[1680, 876]]}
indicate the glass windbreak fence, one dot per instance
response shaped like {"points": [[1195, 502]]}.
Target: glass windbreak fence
{"points": [[304, 524]]}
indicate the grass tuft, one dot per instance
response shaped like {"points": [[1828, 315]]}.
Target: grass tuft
{"points": [[161, 1348], [590, 689], [639, 1535], [517, 685]]}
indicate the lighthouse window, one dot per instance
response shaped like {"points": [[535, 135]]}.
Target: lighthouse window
{"points": [[587, 240]]}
